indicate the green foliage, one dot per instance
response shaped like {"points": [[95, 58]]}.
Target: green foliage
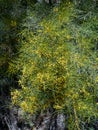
{"points": [[11, 14], [58, 66]]}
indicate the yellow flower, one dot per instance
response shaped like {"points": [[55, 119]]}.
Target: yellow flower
{"points": [[24, 106], [40, 76], [15, 95], [32, 98], [47, 76], [68, 37], [96, 59], [13, 23], [57, 107], [55, 10], [96, 79], [62, 61]]}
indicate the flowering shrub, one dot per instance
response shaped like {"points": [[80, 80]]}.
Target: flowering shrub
{"points": [[57, 67]]}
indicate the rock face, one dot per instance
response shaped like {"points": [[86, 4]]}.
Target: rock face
{"points": [[61, 122], [44, 121], [51, 122], [11, 121]]}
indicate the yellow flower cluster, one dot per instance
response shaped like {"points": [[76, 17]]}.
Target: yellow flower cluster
{"points": [[29, 104], [40, 77], [96, 59], [68, 37], [32, 99], [15, 96], [57, 107], [13, 23], [43, 76], [96, 79], [62, 61], [55, 9], [24, 105]]}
